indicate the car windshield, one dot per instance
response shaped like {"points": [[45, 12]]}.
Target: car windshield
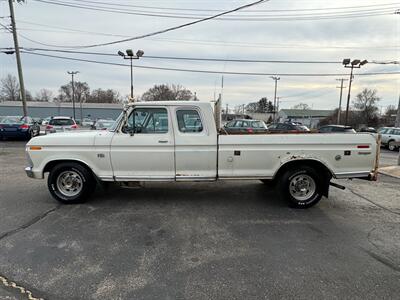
{"points": [[61, 122], [12, 120], [105, 123], [258, 124]]}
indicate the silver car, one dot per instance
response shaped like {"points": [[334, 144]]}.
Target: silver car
{"points": [[60, 124], [390, 137]]}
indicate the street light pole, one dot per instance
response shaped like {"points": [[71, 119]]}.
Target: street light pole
{"points": [[275, 78], [73, 91], [129, 55], [356, 63]]}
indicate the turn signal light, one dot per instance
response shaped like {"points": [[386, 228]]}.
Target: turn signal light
{"points": [[35, 148]]}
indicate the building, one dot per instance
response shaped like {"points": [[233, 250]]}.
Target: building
{"points": [[308, 117], [47, 109]]}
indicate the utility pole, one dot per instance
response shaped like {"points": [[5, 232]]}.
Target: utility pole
{"points": [[397, 123], [18, 57], [275, 78], [73, 91], [341, 87]]}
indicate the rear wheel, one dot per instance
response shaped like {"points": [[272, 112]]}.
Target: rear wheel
{"points": [[70, 183], [392, 145], [301, 187]]}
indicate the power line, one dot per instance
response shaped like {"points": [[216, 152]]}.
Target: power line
{"points": [[215, 42], [206, 59], [214, 10], [282, 17], [163, 30], [210, 71]]}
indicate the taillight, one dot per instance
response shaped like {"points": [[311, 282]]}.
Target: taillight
{"points": [[363, 146], [24, 126], [74, 126], [250, 130], [49, 127]]}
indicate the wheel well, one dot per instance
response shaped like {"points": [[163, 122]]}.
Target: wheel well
{"points": [[51, 164], [318, 166]]}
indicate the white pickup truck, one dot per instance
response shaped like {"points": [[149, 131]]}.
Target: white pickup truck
{"points": [[179, 141]]}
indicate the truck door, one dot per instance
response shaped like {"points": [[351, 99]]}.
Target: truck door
{"points": [[144, 148], [195, 144]]}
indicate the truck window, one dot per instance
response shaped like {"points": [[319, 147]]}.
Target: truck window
{"points": [[189, 121], [148, 120]]}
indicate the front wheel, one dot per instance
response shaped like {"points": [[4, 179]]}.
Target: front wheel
{"points": [[70, 183], [301, 187]]}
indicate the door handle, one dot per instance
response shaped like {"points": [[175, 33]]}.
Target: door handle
{"points": [[163, 141]]}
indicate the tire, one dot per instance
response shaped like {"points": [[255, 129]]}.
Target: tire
{"points": [[71, 183], [391, 145], [301, 187]]}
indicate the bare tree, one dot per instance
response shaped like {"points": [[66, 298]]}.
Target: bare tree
{"points": [[303, 106], [9, 88], [82, 92], [104, 96], [44, 95], [366, 103], [164, 92]]}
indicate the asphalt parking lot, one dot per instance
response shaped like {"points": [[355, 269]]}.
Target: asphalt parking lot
{"points": [[225, 240]]}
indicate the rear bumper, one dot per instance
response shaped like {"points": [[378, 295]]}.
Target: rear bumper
{"points": [[14, 134], [33, 174]]}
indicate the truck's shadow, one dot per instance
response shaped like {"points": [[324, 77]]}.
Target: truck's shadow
{"points": [[215, 193]]}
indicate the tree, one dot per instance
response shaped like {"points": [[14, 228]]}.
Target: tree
{"points": [[165, 92], [262, 106], [303, 106], [44, 95], [366, 104], [104, 96], [9, 88], [82, 92]]}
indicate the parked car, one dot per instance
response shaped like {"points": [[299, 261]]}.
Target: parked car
{"points": [[336, 129], [368, 129], [391, 137], [45, 121], [287, 127], [245, 126], [147, 149], [103, 124], [60, 124], [86, 122], [18, 127]]}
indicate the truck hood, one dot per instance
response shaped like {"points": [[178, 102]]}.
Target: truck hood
{"points": [[75, 138]]}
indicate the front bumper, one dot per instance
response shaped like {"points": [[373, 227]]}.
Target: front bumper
{"points": [[32, 174]]}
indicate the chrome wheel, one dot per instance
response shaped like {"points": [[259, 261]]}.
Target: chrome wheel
{"points": [[391, 146], [69, 183], [302, 187]]}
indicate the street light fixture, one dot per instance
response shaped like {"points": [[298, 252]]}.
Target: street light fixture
{"points": [[129, 55], [356, 63]]}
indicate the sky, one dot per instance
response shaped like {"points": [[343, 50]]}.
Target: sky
{"points": [[302, 33]]}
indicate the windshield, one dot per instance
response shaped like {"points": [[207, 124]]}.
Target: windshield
{"points": [[12, 120], [61, 122]]}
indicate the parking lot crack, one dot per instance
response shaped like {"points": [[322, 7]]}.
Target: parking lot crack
{"points": [[29, 223], [372, 202], [383, 260], [8, 284]]}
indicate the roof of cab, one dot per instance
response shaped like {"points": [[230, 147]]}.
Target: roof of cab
{"points": [[170, 103]]}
